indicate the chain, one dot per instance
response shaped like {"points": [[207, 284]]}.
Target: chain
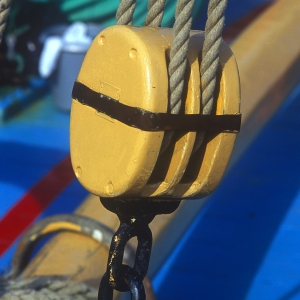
{"points": [[122, 277], [134, 216]]}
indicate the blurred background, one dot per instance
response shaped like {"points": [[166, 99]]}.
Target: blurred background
{"points": [[242, 242]]}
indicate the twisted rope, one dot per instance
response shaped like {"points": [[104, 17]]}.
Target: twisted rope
{"points": [[178, 54], [210, 58], [4, 10], [155, 13], [125, 12], [42, 288], [178, 58]]}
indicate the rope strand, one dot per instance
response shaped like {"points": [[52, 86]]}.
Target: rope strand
{"points": [[210, 58], [125, 12], [4, 10], [42, 288], [178, 54], [178, 59], [155, 13]]}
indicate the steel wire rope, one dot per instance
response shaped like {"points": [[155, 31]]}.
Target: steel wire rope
{"points": [[4, 11]]}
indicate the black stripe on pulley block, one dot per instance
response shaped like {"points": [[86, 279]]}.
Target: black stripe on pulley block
{"points": [[150, 121]]}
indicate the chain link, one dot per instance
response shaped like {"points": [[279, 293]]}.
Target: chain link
{"points": [[121, 277], [135, 216]]}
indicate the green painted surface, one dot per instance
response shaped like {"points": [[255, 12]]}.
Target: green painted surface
{"points": [[104, 11]]}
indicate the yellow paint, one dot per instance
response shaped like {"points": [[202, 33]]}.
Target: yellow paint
{"points": [[111, 159], [116, 159]]}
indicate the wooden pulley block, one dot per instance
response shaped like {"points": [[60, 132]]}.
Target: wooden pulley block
{"points": [[127, 65]]}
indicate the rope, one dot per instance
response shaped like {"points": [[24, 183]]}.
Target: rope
{"points": [[178, 59], [155, 13], [210, 58], [125, 12], [43, 288], [4, 10], [178, 54]]}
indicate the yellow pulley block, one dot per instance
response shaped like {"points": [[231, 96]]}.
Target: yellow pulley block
{"points": [[121, 90]]}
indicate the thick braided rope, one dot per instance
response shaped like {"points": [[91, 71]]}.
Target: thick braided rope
{"points": [[125, 12], [210, 58], [4, 10], [44, 288], [155, 13]]}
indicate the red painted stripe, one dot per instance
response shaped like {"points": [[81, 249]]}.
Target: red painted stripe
{"points": [[34, 202]]}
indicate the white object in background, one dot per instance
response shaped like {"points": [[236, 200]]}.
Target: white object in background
{"points": [[50, 55], [75, 34]]}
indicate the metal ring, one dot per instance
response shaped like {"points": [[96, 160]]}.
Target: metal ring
{"points": [[55, 224], [59, 223]]}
